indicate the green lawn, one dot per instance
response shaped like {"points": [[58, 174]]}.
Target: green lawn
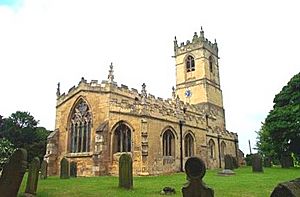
{"points": [[243, 184]]}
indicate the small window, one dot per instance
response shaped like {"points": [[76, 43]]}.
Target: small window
{"points": [[122, 139], [223, 147], [190, 64], [168, 143], [211, 145], [188, 145], [211, 62]]}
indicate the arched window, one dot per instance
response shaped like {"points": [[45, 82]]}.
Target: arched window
{"points": [[188, 145], [223, 147], [211, 63], [80, 128], [168, 143], [190, 64], [211, 145], [122, 138]]}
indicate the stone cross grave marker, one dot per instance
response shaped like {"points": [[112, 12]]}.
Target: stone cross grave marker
{"points": [[125, 171], [33, 177], [257, 165], [195, 187], [12, 174], [44, 168], [73, 169], [64, 169]]}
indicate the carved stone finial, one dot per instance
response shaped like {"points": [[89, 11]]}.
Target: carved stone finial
{"points": [[111, 74], [202, 33], [195, 36], [58, 90], [144, 93], [173, 93], [175, 44]]}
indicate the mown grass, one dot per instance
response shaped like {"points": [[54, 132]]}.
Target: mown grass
{"points": [[243, 184]]}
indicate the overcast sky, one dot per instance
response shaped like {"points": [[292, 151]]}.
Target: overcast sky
{"points": [[43, 42]]}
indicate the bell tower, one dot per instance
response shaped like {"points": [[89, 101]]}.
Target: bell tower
{"points": [[197, 71]]}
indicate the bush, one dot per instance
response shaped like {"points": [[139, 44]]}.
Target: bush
{"points": [[6, 150]]}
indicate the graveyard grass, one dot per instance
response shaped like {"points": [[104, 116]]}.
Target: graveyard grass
{"points": [[245, 183]]}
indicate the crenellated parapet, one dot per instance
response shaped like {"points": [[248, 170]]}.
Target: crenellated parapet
{"points": [[198, 41]]}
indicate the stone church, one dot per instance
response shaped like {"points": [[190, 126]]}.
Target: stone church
{"points": [[97, 122]]}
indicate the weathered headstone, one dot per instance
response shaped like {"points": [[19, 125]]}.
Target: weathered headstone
{"points": [[287, 189], [195, 187], [235, 162], [64, 169], [229, 162], [286, 161], [257, 163], [13, 173], [44, 168], [73, 169], [267, 162], [33, 177], [125, 171]]}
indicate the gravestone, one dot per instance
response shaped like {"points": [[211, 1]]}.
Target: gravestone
{"points": [[64, 169], [44, 168], [257, 163], [13, 172], [286, 161], [125, 171], [73, 169], [195, 187], [267, 162], [235, 162], [287, 189], [229, 162], [33, 177]]}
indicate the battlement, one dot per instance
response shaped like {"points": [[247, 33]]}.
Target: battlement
{"points": [[196, 43]]}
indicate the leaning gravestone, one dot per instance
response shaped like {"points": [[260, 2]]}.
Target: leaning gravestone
{"points": [[267, 162], [73, 169], [13, 173], [64, 169], [33, 177], [195, 187], [44, 168], [125, 171], [287, 189]]}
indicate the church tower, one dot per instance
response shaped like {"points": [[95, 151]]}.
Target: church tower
{"points": [[197, 71]]}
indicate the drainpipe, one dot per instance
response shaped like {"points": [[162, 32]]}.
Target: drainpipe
{"points": [[220, 163], [181, 151]]}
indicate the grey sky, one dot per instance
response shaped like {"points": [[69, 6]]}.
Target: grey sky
{"points": [[43, 42]]}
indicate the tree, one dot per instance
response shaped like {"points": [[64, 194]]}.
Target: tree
{"points": [[20, 128], [6, 150], [280, 133]]}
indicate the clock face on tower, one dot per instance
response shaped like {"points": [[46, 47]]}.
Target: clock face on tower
{"points": [[188, 93]]}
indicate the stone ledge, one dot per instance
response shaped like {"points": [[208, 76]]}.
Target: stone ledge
{"points": [[72, 155]]}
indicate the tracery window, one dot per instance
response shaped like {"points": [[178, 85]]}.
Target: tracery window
{"points": [[211, 145], [122, 138], [80, 128], [190, 64], [188, 145], [168, 143]]}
